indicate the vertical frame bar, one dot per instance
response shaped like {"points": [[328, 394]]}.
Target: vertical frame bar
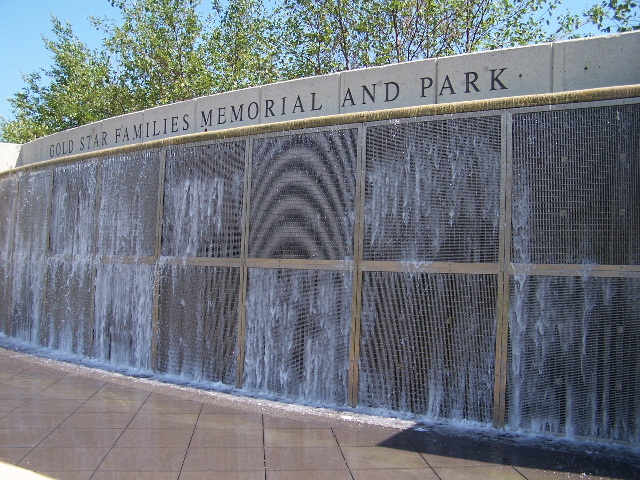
{"points": [[158, 251], [502, 328], [47, 241], [95, 258], [45, 260], [10, 256], [244, 274], [358, 245]]}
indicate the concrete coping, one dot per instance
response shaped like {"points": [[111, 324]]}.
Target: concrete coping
{"points": [[590, 95], [519, 76]]}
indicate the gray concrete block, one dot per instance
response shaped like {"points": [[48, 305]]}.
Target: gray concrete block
{"points": [[84, 139], [495, 74], [87, 138], [228, 110], [9, 155], [169, 120], [596, 62], [30, 152], [124, 129], [302, 98], [391, 86], [57, 145], [538, 69]]}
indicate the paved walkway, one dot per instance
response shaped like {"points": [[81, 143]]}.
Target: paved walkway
{"points": [[75, 423]]}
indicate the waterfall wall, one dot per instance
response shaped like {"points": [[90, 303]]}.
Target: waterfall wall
{"points": [[475, 263]]}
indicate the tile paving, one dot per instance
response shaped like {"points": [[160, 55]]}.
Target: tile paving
{"points": [[68, 422]]}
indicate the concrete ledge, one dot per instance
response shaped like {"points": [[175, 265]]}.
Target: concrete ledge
{"points": [[591, 95], [537, 69], [596, 62]]}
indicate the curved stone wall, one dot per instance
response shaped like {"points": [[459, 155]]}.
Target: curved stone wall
{"points": [[477, 262], [531, 70]]}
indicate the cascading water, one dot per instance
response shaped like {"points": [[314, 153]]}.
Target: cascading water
{"points": [[298, 325], [395, 250], [198, 322], [433, 191], [574, 370], [8, 189], [127, 219], [198, 304], [203, 192], [124, 311], [68, 314], [428, 340], [67, 324], [298, 321], [127, 226], [29, 259], [73, 210], [573, 348]]}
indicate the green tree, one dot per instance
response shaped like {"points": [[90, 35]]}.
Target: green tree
{"points": [[615, 15], [403, 30], [323, 36], [243, 50], [333, 35], [157, 52], [163, 51], [79, 90]]}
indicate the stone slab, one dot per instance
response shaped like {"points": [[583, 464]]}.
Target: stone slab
{"points": [[392, 86], [124, 129], [9, 155], [30, 152], [228, 110], [87, 138], [495, 74], [596, 62], [56, 146], [171, 120], [302, 98]]}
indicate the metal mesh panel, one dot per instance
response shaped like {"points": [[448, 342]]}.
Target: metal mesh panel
{"points": [[203, 200], [428, 344], [123, 314], [297, 341], [433, 190], [576, 188], [302, 196], [7, 199], [73, 207], [575, 357], [431, 194], [5, 297], [32, 204], [34, 190], [67, 323], [197, 324], [129, 204], [27, 295]]}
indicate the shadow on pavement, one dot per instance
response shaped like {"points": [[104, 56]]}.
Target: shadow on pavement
{"points": [[617, 461]]}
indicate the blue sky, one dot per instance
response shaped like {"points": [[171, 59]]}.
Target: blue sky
{"points": [[23, 22]]}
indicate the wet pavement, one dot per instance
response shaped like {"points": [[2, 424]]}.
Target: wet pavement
{"points": [[70, 422]]}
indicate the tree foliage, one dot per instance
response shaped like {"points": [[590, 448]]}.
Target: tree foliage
{"points": [[163, 51], [616, 15], [243, 48], [76, 76], [158, 51]]}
